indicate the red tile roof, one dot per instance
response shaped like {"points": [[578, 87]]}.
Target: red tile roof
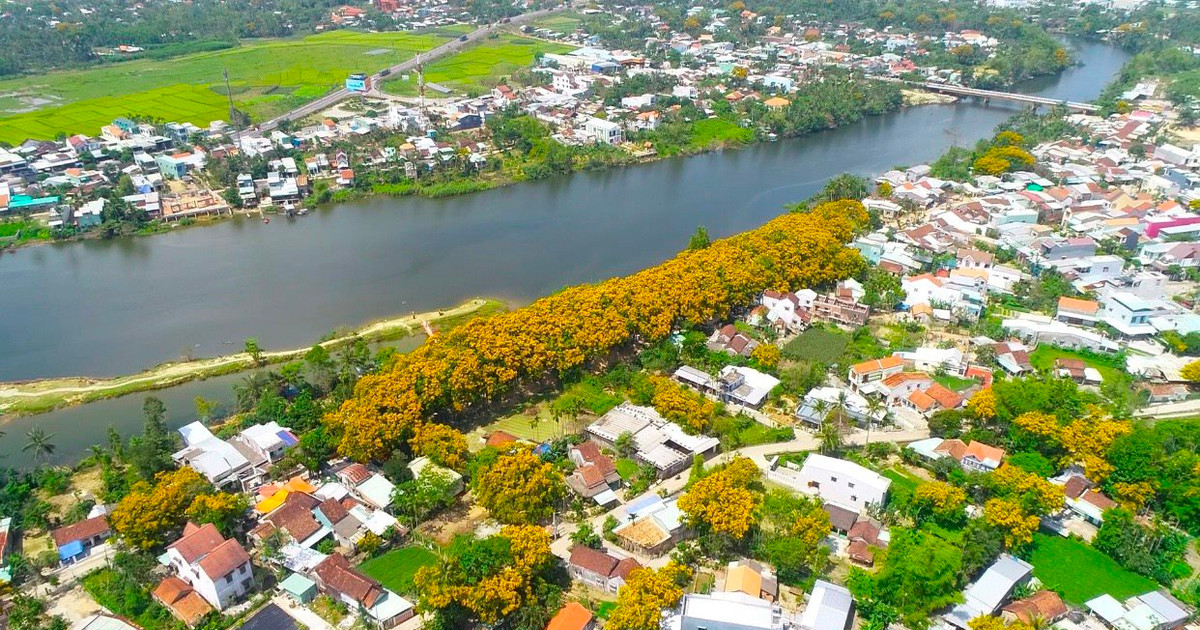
{"points": [[876, 365], [223, 560], [1044, 605], [182, 600], [593, 560], [83, 530], [354, 474], [335, 573], [499, 439], [945, 398], [197, 542]]}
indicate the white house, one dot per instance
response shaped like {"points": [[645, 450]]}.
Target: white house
{"points": [[830, 607], [842, 482], [604, 131], [986, 595], [218, 569], [268, 440]]}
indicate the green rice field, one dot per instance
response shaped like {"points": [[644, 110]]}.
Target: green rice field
{"points": [[1080, 573], [267, 77], [480, 67]]}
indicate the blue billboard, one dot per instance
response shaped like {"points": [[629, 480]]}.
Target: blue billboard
{"points": [[358, 82]]}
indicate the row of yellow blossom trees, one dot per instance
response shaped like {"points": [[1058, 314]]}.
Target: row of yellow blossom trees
{"points": [[485, 359]]}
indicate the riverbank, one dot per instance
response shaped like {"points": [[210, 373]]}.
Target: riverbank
{"points": [[43, 395]]}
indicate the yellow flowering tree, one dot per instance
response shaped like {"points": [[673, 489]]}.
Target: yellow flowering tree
{"points": [[519, 488], [646, 593], [943, 502], [151, 515], [1008, 516], [724, 502]]}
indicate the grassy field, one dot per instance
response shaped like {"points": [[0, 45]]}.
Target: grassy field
{"points": [[903, 485], [562, 22], [267, 77], [817, 344], [395, 569], [1080, 573], [718, 132], [1043, 359], [480, 67]]}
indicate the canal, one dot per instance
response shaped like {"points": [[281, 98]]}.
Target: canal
{"points": [[103, 308]]}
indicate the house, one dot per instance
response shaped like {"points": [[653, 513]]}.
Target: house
{"points": [[217, 460], [595, 474], [840, 310], [974, 259], [975, 456], [753, 579], [830, 607], [184, 602], [1045, 606], [573, 616], [598, 569], [1082, 498], [1076, 370], [820, 401], [788, 311], [1128, 314], [373, 488], [77, 540], [842, 482], [984, 596], [218, 569], [745, 386], [268, 442], [1013, 356], [1077, 311], [382, 608], [1155, 610], [726, 611], [299, 588], [652, 525], [658, 442], [929, 400], [604, 131], [729, 339], [874, 370], [295, 519]]}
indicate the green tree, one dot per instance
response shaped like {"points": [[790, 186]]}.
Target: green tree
{"points": [[585, 535], [38, 442], [254, 350], [699, 239]]}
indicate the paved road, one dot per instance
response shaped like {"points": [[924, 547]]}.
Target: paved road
{"points": [[449, 47], [760, 455]]}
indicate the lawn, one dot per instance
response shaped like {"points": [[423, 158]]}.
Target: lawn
{"points": [[480, 67], [712, 132], [563, 22], [1043, 359], [951, 382], [903, 485], [817, 344], [1080, 573], [266, 77], [627, 468], [395, 569]]}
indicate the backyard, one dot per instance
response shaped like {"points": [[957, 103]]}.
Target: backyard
{"points": [[1080, 573], [267, 77], [480, 67], [1044, 356], [395, 569]]}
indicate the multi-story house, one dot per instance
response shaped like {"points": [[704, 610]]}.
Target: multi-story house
{"points": [[218, 569]]}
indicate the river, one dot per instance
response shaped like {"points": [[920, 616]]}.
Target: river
{"points": [[103, 308]]}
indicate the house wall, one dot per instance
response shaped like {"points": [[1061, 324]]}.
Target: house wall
{"points": [[839, 488]]}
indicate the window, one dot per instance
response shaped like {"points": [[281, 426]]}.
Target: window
{"points": [[851, 484], [853, 498], [832, 478]]}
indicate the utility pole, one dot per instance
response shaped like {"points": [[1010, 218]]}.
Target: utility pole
{"points": [[421, 81], [237, 126]]}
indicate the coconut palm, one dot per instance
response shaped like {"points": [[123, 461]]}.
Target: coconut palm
{"points": [[39, 444]]}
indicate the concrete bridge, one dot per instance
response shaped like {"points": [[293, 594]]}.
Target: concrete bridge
{"points": [[958, 90]]}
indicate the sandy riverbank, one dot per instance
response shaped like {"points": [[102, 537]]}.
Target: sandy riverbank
{"points": [[40, 396]]}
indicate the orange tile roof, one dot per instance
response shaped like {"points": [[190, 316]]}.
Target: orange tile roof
{"points": [[944, 397], [875, 365], [984, 452], [955, 448], [1082, 306], [903, 377], [921, 400], [573, 616], [182, 600]]}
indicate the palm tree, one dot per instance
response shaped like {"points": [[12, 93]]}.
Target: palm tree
{"points": [[39, 444]]}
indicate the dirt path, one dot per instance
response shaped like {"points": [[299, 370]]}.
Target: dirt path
{"points": [[30, 397]]}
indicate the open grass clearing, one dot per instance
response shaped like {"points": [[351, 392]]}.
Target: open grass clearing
{"points": [[951, 382], [903, 485], [1080, 573], [1044, 356], [396, 569], [267, 77], [824, 345], [480, 67]]}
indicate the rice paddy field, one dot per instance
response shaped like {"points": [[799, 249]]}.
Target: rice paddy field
{"points": [[480, 67], [267, 77]]}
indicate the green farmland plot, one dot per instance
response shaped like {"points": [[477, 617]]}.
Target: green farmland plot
{"points": [[479, 67], [395, 569], [267, 78]]}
